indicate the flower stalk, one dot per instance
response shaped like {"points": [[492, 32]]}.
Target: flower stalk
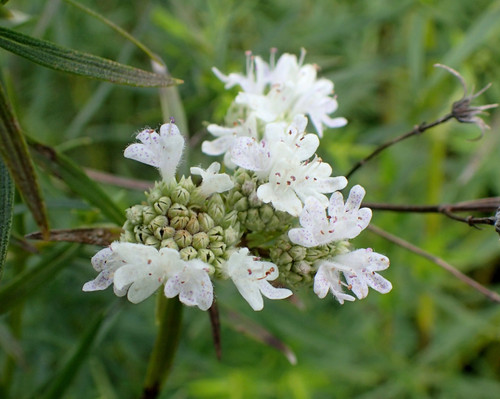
{"points": [[169, 319]]}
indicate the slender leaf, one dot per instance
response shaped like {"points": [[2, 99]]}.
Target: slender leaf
{"points": [[62, 167], [14, 151], [25, 283], [6, 207], [62, 380], [63, 59]]}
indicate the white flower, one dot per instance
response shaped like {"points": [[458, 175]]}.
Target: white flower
{"points": [[252, 277], [162, 150], [252, 82], [213, 181], [328, 279], [342, 222], [134, 268], [282, 160], [293, 88], [192, 283], [358, 268], [138, 270], [226, 137]]}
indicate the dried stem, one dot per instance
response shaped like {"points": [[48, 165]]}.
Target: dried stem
{"points": [[118, 181], [482, 205], [493, 296], [419, 129]]}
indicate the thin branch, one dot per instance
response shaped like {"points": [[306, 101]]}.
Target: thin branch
{"points": [[118, 181], [213, 312], [493, 296], [482, 205], [419, 129]]}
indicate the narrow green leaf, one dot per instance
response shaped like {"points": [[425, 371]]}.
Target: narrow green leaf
{"points": [[24, 284], [6, 206], [62, 380], [77, 180], [14, 152], [63, 59]]}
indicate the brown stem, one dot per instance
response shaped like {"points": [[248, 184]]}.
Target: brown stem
{"points": [[493, 296], [481, 205], [416, 130]]}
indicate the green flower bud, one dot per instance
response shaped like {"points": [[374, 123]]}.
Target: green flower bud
{"points": [[248, 187], [303, 268], [232, 234], [193, 226], [206, 255], [134, 214], [159, 221], [253, 221], [179, 222], [152, 241], [217, 247], [183, 238], [266, 213], [127, 236], [141, 234], [177, 210], [241, 205], [206, 221], [297, 252], [148, 214], [242, 216], [253, 200], [155, 193], [285, 258], [187, 183], [215, 234], [188, 253], [162, 233], [180, 195], [216, 207], [169, 243], [200, 240], [162, 205], [316, 253]]}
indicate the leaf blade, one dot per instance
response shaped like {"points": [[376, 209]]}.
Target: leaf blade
{"points": [[6, 207], [67, 60], [62, 167], [17, 158]]}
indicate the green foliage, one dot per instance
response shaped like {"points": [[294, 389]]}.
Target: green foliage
{"points": [[431, 337]]}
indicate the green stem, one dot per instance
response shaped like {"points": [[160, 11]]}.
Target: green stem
{"points": [[169, 315]]}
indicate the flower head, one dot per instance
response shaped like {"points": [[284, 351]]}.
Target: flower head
{"points": [[163, 150], [462, 110], [251, 276], [344, 221]]}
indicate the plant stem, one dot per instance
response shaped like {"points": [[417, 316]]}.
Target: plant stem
{"points": [[493, 296], [169, 315], [416, 130]]}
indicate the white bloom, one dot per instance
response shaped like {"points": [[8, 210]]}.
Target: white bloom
{"points": [[252, 277], [282, 158], [192, 283], [138, 270], [328, 279], [213, 181], [134, 268], [163, 150], [359, 269], [293, 88], [342, 222], [226, 137]]}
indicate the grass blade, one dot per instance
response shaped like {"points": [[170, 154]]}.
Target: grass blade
{"points": [[63, 59], [14, 152], [6, 206], [62, 167], [26, 283]]}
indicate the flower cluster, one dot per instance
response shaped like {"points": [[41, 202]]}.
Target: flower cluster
{"points": [[278, 217]]}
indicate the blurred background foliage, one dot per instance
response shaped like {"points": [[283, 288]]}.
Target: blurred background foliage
{"points": [[431, 337]]}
